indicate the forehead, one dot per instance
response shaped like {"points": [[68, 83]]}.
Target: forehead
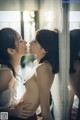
{"points": [[17, 38], [18, 35]]}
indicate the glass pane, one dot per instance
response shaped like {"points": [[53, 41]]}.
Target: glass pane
{"points": [[10, 19]]}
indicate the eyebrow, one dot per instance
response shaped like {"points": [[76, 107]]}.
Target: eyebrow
{"points": [[20, 37]]}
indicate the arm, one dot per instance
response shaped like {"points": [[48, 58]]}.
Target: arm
{"points": [[7, 81], [71, 100], [44, 83], [21, 110]]}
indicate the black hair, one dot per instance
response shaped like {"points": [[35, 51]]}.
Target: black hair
{"points": [[74, 48], [48, 39], [8, 38]]}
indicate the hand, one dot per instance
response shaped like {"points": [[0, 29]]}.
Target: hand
{"points": [[23, 110]]}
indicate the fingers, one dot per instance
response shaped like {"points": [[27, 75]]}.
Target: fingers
{"points": [[21, 103], [24, 115], [28, 112], [27, 108], [24, 110], [27, 104]]}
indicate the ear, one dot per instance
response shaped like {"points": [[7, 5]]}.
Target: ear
{"points": [[11, 51]]}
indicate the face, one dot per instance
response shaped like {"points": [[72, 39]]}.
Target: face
{"points": [[20, 49], [36, 48], [21, 46]]}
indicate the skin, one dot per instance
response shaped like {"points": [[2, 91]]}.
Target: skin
{"points": [[74, 85], [74, 69], [39, 84], [8, 80]]}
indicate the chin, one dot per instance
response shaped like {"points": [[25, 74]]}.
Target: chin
{"points": [[25, 54], [30, 52]]}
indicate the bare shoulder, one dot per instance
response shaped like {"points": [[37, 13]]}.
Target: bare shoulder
{"points": [[6, 76], [44, 70], [44, 67], [6, 73], [44, 75]]}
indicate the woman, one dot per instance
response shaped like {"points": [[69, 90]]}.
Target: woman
{"points": [[12, 48], [74, 67], [45, 47]]}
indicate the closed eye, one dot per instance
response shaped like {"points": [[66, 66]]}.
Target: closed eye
{"points": [[21, 41]]}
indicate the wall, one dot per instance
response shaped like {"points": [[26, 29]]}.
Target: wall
{"points": [[50, 14], [18, 5], [75, 7], [50, 17]]}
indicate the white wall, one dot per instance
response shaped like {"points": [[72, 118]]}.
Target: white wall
{"points": [[55, 90], [50, 18], [20, 5]]}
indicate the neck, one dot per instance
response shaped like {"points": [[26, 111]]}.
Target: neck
{"points": [[15, 63], [39, 57]]}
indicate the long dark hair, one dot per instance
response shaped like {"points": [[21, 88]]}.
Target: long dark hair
{"points": [[48, 39], [74, 48], [8, 38]]}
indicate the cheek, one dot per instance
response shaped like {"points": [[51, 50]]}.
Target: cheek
{"points": [[33, 49], [21, 48]]}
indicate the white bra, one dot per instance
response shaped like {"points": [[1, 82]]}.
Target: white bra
{"points": [[7, 98]]}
